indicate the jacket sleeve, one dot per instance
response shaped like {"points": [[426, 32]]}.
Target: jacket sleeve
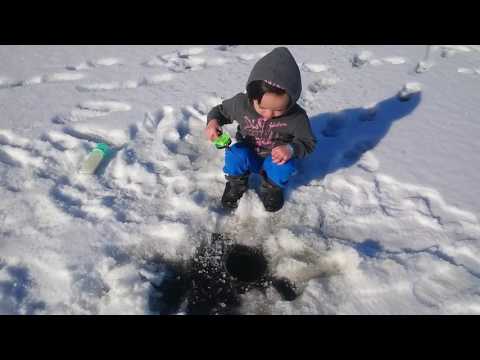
{"points": [[304, 140], [227, 111]]}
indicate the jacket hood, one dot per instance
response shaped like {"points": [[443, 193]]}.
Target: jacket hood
{"points": [[280, 69]]}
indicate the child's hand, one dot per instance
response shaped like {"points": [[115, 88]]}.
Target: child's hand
{"points": [[281, 154], [213, 130]]}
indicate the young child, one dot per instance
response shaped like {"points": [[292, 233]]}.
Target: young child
{"points": [[273, 130]]}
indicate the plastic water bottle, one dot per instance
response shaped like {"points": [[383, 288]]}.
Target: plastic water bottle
{"points": [[94, 159]]}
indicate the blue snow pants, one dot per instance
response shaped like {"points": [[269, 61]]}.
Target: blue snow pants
{"points": [[240, 160]]}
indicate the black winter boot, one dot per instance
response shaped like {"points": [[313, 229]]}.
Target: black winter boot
{"points": [[270, 194], [234, 190]]}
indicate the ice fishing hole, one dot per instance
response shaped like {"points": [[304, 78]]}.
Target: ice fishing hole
{"points": [[245, 263]]}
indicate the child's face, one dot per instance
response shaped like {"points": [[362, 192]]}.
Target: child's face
{"points": [[272, 105]]}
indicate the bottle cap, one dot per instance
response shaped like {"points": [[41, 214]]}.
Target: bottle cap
{"points": [[103, 148]]}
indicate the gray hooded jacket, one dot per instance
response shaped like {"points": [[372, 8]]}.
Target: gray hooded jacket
{"points": [[279, 68]]}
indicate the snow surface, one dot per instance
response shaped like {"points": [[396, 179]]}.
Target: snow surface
{"points": [[383, 218]]}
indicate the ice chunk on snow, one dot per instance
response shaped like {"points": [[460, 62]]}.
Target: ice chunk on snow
{"points": [[158, 79], [315, 68], [63, 77], [409, 89], [394, 60], [465, 71]]}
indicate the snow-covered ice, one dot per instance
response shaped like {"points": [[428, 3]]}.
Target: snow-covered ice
{"points": [[383, 218]]}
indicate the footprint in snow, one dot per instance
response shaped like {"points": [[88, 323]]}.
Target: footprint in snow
{"points": [[322, 84], [366, 57], [40, 79], [90, 64], [116, 85], [335, 124], [185, 60], [360, 59], [90, 109], [151, 80]]}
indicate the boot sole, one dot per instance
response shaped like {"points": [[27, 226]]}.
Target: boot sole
{"points": [[273, 209], [229, 207]]}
